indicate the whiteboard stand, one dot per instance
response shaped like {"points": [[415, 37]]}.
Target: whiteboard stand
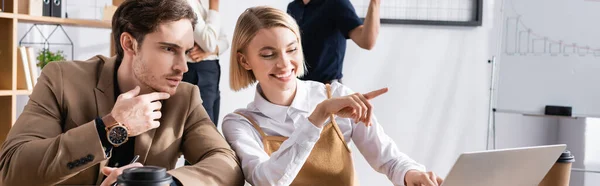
{"points": [[491, 130]]}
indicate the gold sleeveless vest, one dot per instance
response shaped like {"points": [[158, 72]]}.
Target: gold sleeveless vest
{"points": [[329, 162]]}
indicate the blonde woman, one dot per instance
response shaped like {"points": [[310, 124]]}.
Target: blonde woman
{"points": [[297, 132]]}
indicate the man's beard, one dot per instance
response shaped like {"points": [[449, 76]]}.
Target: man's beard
{"points": [[146, 79], [140, 72]]}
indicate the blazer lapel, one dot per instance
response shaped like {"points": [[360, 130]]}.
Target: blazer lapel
{"points": [[143, 143], [105, 90]]}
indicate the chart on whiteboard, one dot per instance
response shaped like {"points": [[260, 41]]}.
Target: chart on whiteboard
{"points": [[439, 10], [524, 37]]}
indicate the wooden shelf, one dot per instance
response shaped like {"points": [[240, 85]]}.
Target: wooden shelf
{"points": [[22, 18], [16, 92], [22, 92], [7, 15], [5, 92]]}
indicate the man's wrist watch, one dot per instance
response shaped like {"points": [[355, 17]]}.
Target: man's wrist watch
{"points": [[116, 133]]}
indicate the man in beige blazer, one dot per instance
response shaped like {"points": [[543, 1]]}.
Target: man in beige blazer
{"points": [[85, 119]]}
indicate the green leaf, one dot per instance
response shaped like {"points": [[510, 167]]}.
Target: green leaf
{"points": [[46, 56]]}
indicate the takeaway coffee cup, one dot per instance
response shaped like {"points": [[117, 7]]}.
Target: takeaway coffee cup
{"points": [[146, 176], [560, 172]]}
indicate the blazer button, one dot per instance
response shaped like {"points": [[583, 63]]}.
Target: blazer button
{"points": [[90, 157], [70, 165]]}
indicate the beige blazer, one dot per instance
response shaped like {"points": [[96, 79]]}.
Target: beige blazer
{"points": [[55, 141]]}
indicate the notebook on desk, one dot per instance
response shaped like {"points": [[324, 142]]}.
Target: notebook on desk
{"points": [[525, 166]]}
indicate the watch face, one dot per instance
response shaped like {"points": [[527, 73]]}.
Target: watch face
{"points": [[117, 135]]}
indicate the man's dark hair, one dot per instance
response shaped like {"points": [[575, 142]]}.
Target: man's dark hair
{"points": [[141, 17]]}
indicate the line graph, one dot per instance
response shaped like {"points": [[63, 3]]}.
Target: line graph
{"points": [[522, 40]]}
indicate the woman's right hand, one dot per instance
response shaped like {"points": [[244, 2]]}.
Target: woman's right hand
{"points": [[355, 106], [197, 54]]}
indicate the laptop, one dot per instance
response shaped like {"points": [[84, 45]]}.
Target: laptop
{"points": [[525, 166]]}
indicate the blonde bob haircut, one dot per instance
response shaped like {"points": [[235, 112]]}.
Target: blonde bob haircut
{"points": [[248, 24]]}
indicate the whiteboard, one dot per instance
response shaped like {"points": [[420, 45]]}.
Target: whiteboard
{"points": [[549, 55]]}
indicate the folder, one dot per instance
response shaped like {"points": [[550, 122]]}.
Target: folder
{"points": [[46, 7], [36, 7], [32, 65], [56, 8], [23, 73]]}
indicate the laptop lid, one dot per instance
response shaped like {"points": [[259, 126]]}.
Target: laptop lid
{"points": [[525, 166]]}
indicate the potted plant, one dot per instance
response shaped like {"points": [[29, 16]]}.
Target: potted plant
{"points": [[46, 56]]}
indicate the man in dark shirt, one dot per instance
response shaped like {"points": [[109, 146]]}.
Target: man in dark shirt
{"points": [[325, 25]]}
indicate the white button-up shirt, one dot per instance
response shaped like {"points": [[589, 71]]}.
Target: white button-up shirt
{"points": [[292, 121], [207, 32]]}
